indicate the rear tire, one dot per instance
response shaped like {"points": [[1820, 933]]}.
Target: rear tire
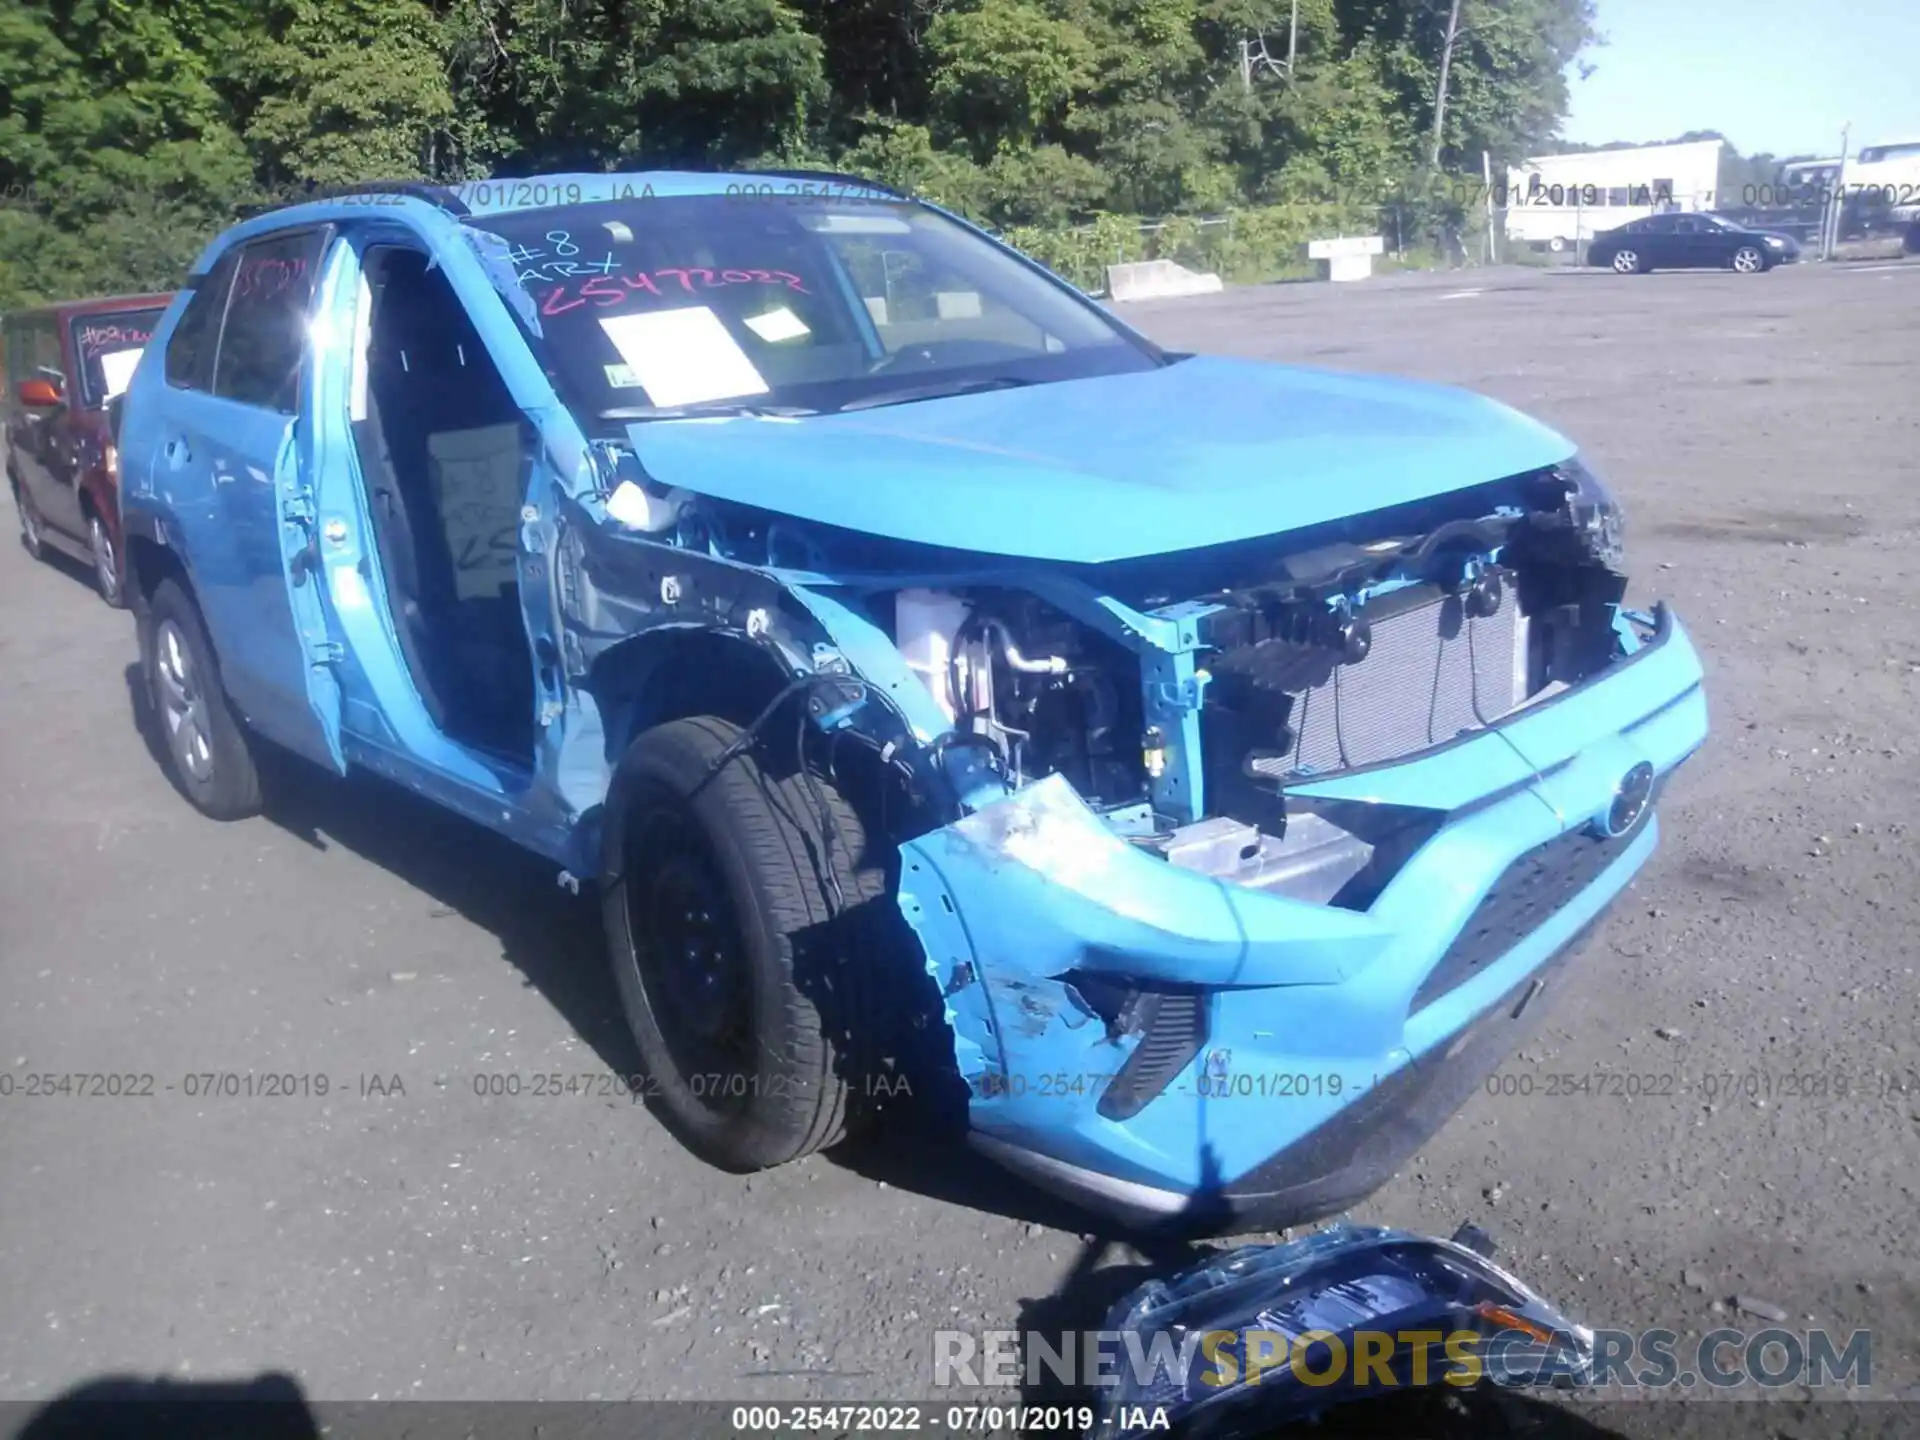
{"points": [[204, 744], [108, 573], [1627, 262], [746, 981]]}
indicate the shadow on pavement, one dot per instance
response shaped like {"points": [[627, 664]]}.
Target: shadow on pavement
{"points": [[77, 570], [556, 942], [268, 1407], [551, 937]]}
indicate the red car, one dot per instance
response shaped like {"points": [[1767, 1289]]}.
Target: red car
{"points": [[64, 364]]}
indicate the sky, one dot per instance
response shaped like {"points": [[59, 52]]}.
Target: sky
{"points": [[1778, 76]]}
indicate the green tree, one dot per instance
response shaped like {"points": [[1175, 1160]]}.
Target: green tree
{"points": [[594, 84], [131, 129], [344, 90], [1005, 72], [118, 156]]}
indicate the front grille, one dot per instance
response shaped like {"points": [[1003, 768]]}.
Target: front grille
{"points": [[1432, 672], [1528, 894], [1174, 1028]]}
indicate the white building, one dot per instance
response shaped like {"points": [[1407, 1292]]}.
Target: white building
{"points": [[1558, 201]]}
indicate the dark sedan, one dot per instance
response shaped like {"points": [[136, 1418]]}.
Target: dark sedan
{"points": [[1687, 242]]}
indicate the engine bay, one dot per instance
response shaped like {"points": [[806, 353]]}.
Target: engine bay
{"points": [[1327, 653], [1186, 697]]}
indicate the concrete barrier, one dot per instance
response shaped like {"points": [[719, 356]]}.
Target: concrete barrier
{"points": [[1157, 279], [1348, 258]]}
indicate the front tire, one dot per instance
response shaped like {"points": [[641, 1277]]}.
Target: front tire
{"points": [[742, 910], [1749, 260], [30, 537], [205, 748]]}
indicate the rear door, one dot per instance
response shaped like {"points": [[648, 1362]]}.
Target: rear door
{"points": [[1658, 244], [1695, 241], [235, 448]]}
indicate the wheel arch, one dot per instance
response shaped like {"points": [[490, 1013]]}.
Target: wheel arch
{"points": [[146, 559], [94, 503], [663, 675], [667, 674], [673, 673]]}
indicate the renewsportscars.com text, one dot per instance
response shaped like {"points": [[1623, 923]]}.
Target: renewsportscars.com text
{"points": [[1723, 1359]]}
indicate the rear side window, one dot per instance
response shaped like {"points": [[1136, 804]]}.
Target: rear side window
{"points": [[190, 350], [106, 347], [265, 335]]}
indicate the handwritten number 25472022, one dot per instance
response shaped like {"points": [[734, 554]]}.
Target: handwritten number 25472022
{"points": [[607, 291]]}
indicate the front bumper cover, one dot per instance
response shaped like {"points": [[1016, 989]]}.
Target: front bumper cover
{"points": [[1336, 1041]]}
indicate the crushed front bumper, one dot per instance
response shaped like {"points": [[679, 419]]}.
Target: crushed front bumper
{"points": [[1314, 1047]]}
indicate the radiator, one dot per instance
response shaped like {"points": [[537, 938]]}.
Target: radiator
{"points": [[1431, 673]]}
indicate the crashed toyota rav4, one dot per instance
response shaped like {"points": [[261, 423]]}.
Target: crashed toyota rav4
{"points": [[1206, 761]]}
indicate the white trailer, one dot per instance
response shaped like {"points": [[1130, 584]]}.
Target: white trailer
{"points": [[1557, 202], [1885, 178]]}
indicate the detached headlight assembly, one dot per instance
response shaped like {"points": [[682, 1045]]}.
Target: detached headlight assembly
{"points": [[1268, 1335], [1595, 514]]}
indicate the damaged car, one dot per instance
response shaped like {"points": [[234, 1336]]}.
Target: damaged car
{"points": [[1208, 764]]}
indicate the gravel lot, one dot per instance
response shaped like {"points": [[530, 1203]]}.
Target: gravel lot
{"points": [[433, 1243]]}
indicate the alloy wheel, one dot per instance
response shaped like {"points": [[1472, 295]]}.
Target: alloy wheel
{"points": [[1626, 261], [183, 704], [1748, 260], [106, 564]]}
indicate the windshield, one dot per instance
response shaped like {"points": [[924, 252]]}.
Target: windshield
{"points": [[107, 345], [660, 307]]}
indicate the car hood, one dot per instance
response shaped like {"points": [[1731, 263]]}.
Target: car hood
{"points": [[1115, 467]]}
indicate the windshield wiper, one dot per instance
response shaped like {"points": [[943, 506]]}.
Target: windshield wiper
{"points": [[938, 390], [706, 409]]}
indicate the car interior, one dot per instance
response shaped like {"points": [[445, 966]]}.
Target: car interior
{"points": [[445, 454]]}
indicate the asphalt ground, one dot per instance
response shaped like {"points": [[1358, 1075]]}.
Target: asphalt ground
{"points": [[408, 1235]]}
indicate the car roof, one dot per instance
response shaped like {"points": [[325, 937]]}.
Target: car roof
{"points": [[92, 305], [473, 200], [479, 199], [540, 192]]}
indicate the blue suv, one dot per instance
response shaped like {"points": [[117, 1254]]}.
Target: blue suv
{"points": [[1194, 769]]}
